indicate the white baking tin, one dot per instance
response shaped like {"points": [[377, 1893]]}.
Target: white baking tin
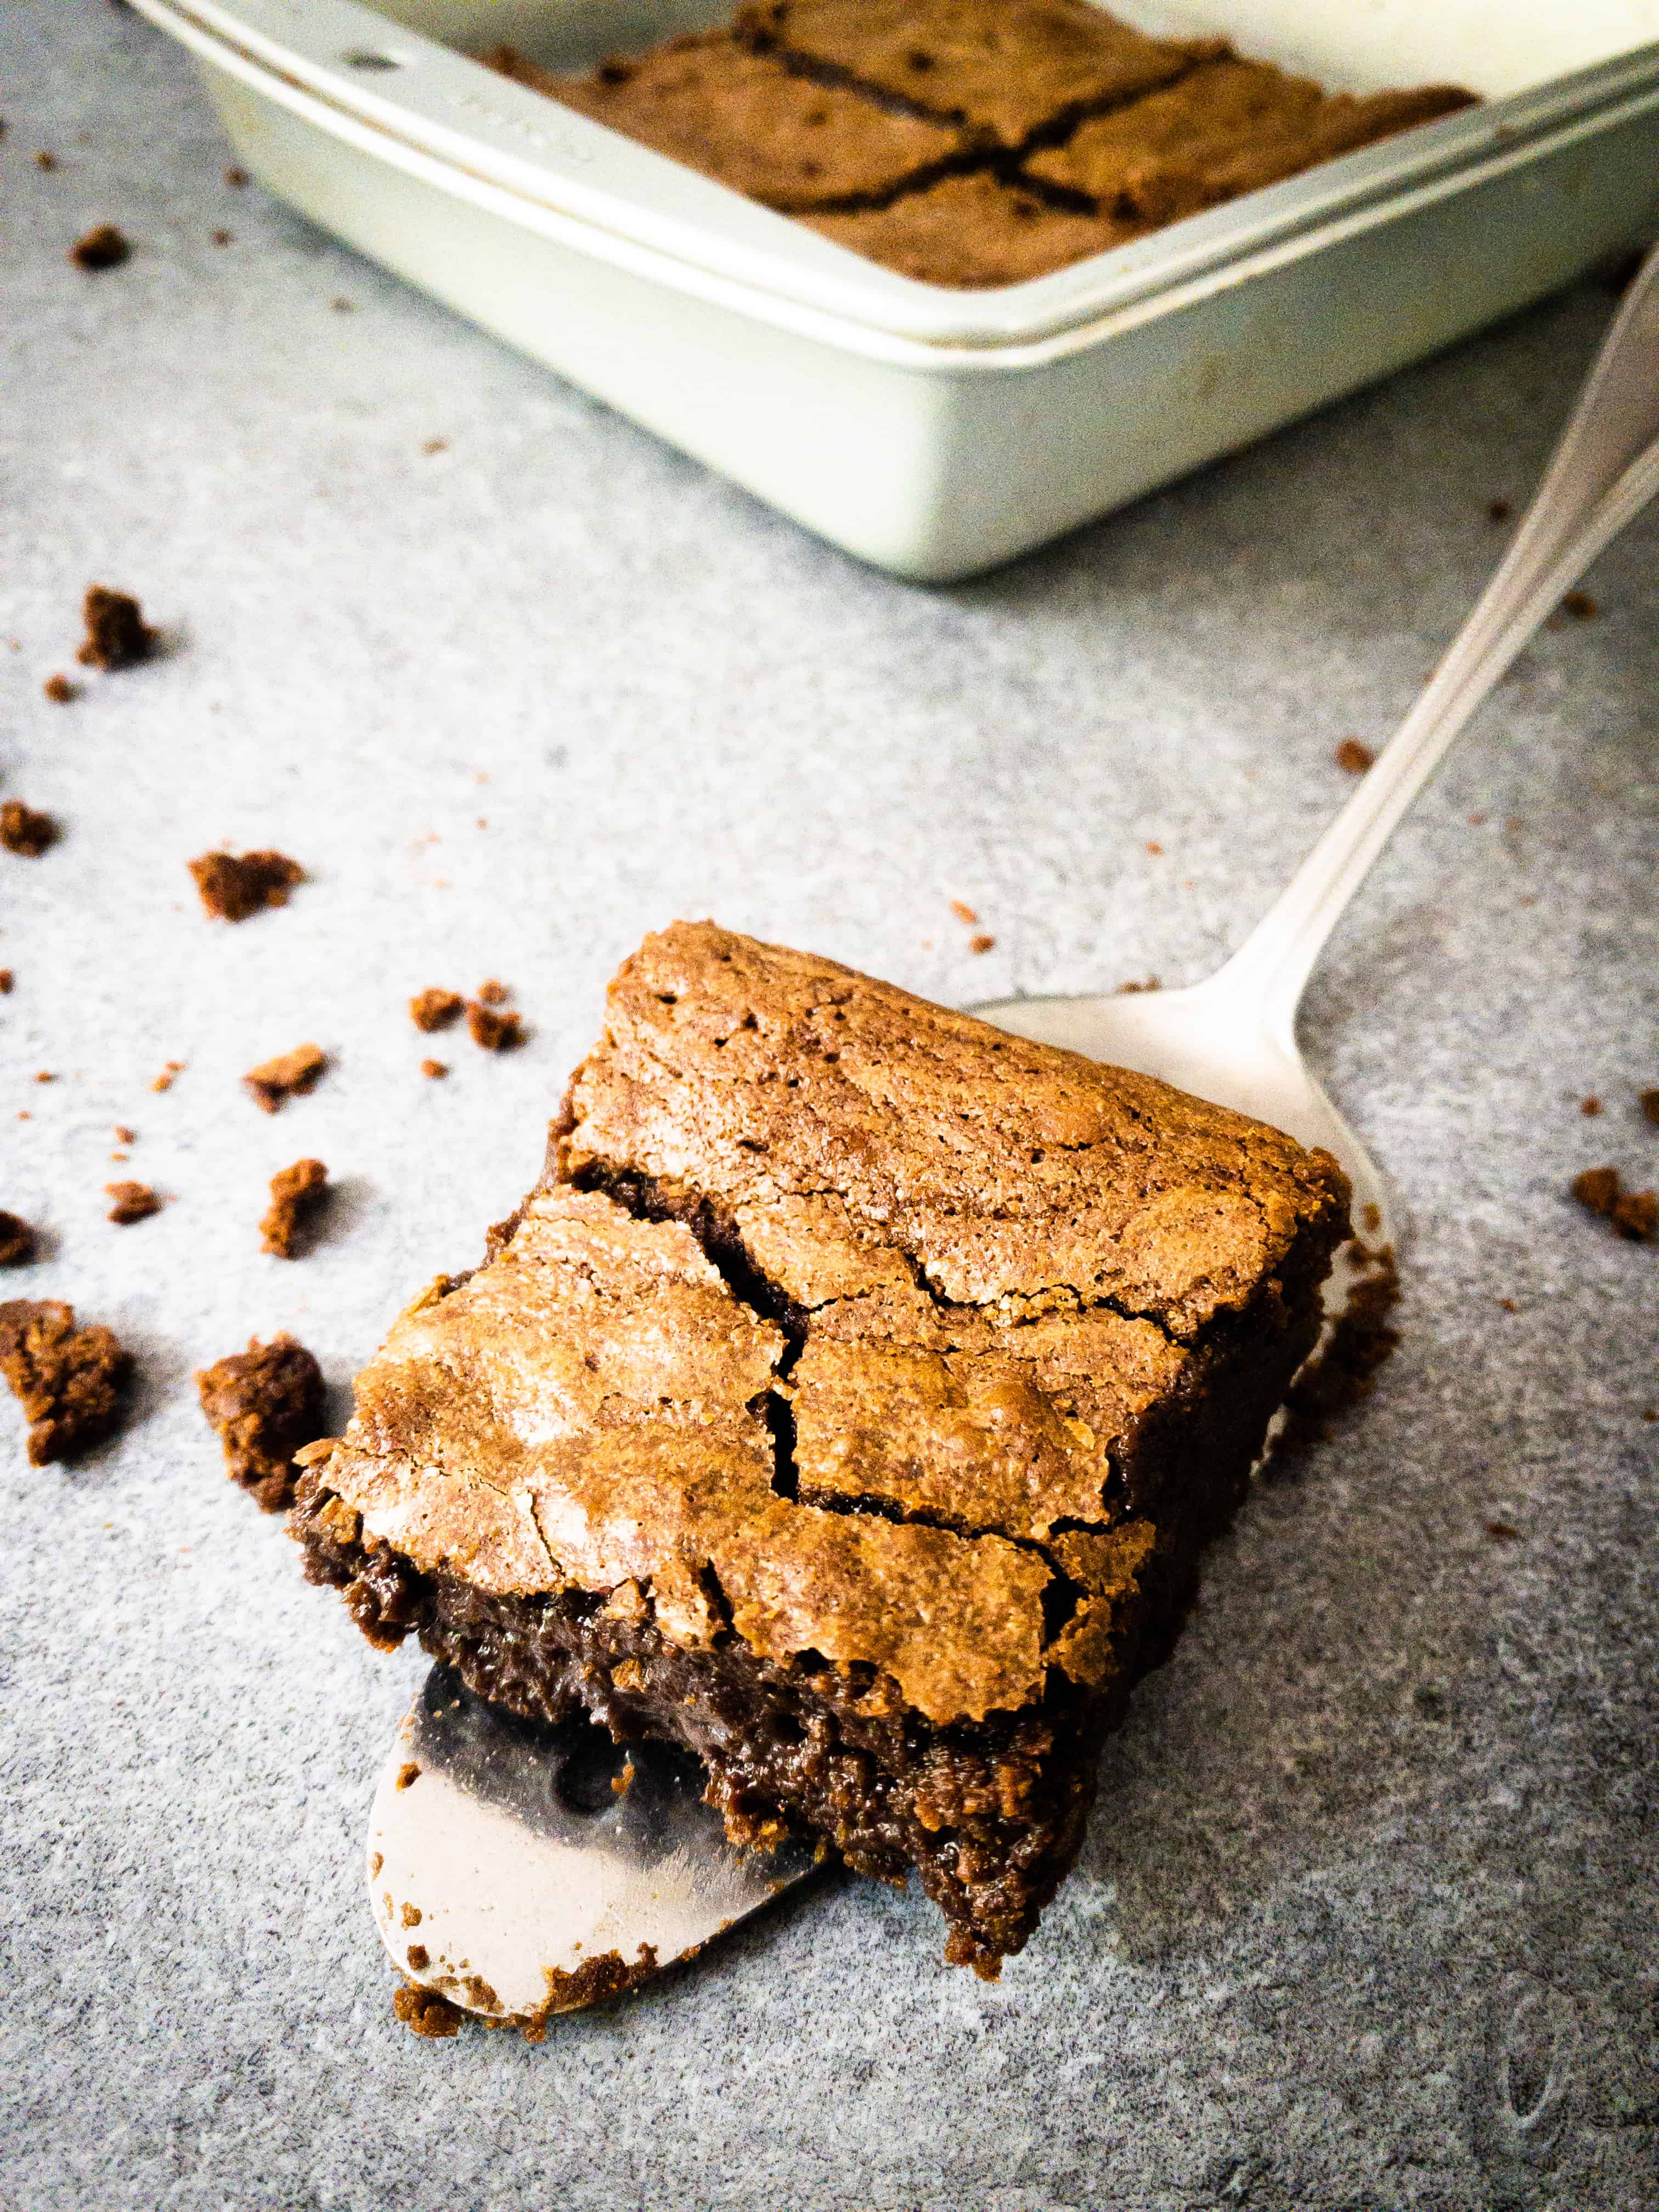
{"points": [[934, 432]]}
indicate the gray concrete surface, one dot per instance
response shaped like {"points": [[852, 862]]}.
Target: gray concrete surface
{"points": [[1365, 1918]]}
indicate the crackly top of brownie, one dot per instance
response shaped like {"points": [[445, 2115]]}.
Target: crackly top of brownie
{"points": [[1008, 1176], [838, 1351], [1004, 68], [973, 231], [748, 122]]}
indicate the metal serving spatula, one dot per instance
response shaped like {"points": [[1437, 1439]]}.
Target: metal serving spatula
{"points": [[522, 1863]]}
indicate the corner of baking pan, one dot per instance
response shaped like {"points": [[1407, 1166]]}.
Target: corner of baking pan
{"points": [[345, 64]]}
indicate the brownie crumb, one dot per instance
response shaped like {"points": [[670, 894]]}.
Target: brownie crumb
{"points": [[1590, 1106], [1634, 1213], [435, 1009], [123, 1135], [1581, 606], [962, 911], [423, 2012], [1498, 510], [493, 992], [18, 1242], [434, 1070], [1502, 1532], [169, 1075], [1353, 756], [25, 831], [234, 886], [221, 237], [264, 1403], [72, 1382], [1132, 989], [134, 1201], [408, 1775], [1597, 1189], [44, 161], [236, 177], [297, 1197], [103, 247], [118, 635], [981, 943], [290, 1075], [496, 1032], [1508, 1305], [45, 1075], [1649, 1101], [7, 980], [60, 689], [1342, 1373]]}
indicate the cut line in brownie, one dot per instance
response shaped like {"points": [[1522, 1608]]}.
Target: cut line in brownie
{"points": [[850, 1403]]}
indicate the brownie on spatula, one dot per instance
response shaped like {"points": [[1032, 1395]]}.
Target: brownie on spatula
{"points": [[850, 1403]]}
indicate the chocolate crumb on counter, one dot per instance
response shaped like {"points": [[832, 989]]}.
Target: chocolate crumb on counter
{"points": [[7, 980], [1498, 510], [103, 247], [134, 1201], [60, 689], [234, 885], [1649, 1101], [1590, 1106], [435, 1009], [424, 2012], [494, 993], [982, 943], [264, 1403], [72, 1382], [236, 177], [1502, 1532], [118, 635], [169, 1075], [25, 831], [45, 161], [221, 237], [298, 1194], [1634, 1213], [18, 1242], [1353, 756], [1597, 1189], [495, 1031], [290, 1075], [962, 911], [1581, 606], [434, 1070]]}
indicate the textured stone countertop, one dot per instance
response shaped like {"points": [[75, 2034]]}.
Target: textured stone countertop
{"points": [[1365, 1917]]}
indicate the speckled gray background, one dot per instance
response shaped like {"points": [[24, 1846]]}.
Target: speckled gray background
{"points": [[1388, 1817]]}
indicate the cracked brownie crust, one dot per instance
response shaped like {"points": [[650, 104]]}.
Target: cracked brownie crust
{"points": [[850, 1402]]}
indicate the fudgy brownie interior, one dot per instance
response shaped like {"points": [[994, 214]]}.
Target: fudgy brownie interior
{"points": [[850, 1403], [974, 143]]}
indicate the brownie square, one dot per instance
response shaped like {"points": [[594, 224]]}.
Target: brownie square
{"points": [[973, 232], [1003, 69], [850, 1403], [1226, 129], [744, 119]]}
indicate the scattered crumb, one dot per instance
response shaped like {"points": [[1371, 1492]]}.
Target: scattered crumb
{"points": [[433, 1069], [1648, 1100], [1502, 1532], [418, 1956], [290, 1075], [221, 237], [1498, 510], [1353, 756], [118, 635], [1154, 848], [493, 993], [45, 1075], [134, 1201], [7, 979], [962, 911], [169, 1075], [1590, 1106], [234, 886], [60, 691], [25, 831], [1509, 1305], [435, 1009], [496, 1032], [264, 1403], [44, 161], [18, 1242], [408, 1774], [1341, 1373], [236, 177], [123, 1135], [121, 1156], [1580, 607], [103, 247], [1634, 1213], [423, 2012], [1371, 1217], [72, 1382], [1650, 1412], [343, 306], [483, 822], [436, 446], [1130, 990], [1476, 821], [981, 943], [298, 1194]]}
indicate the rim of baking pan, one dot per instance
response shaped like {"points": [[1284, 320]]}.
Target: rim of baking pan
{"points": [[441, 115]]}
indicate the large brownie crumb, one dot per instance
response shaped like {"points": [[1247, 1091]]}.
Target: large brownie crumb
{"points": [[423, 2012], [1634, 1213], [234, 886], [298, 1194], [265, 1403], [103, 247], [25, 831], [133, 1202], [118, 635], [18, 1242], [495, 1030], [290, 1075], [72, 1382], [1354, 756], [1649, 1101], [435, 1009]]}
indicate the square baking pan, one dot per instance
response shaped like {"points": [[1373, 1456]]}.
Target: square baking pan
{"points": [[930, 431]]}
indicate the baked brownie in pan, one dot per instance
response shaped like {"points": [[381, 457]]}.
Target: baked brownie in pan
{"points": [[973, 231], [850, 1403], [748, 122]]}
